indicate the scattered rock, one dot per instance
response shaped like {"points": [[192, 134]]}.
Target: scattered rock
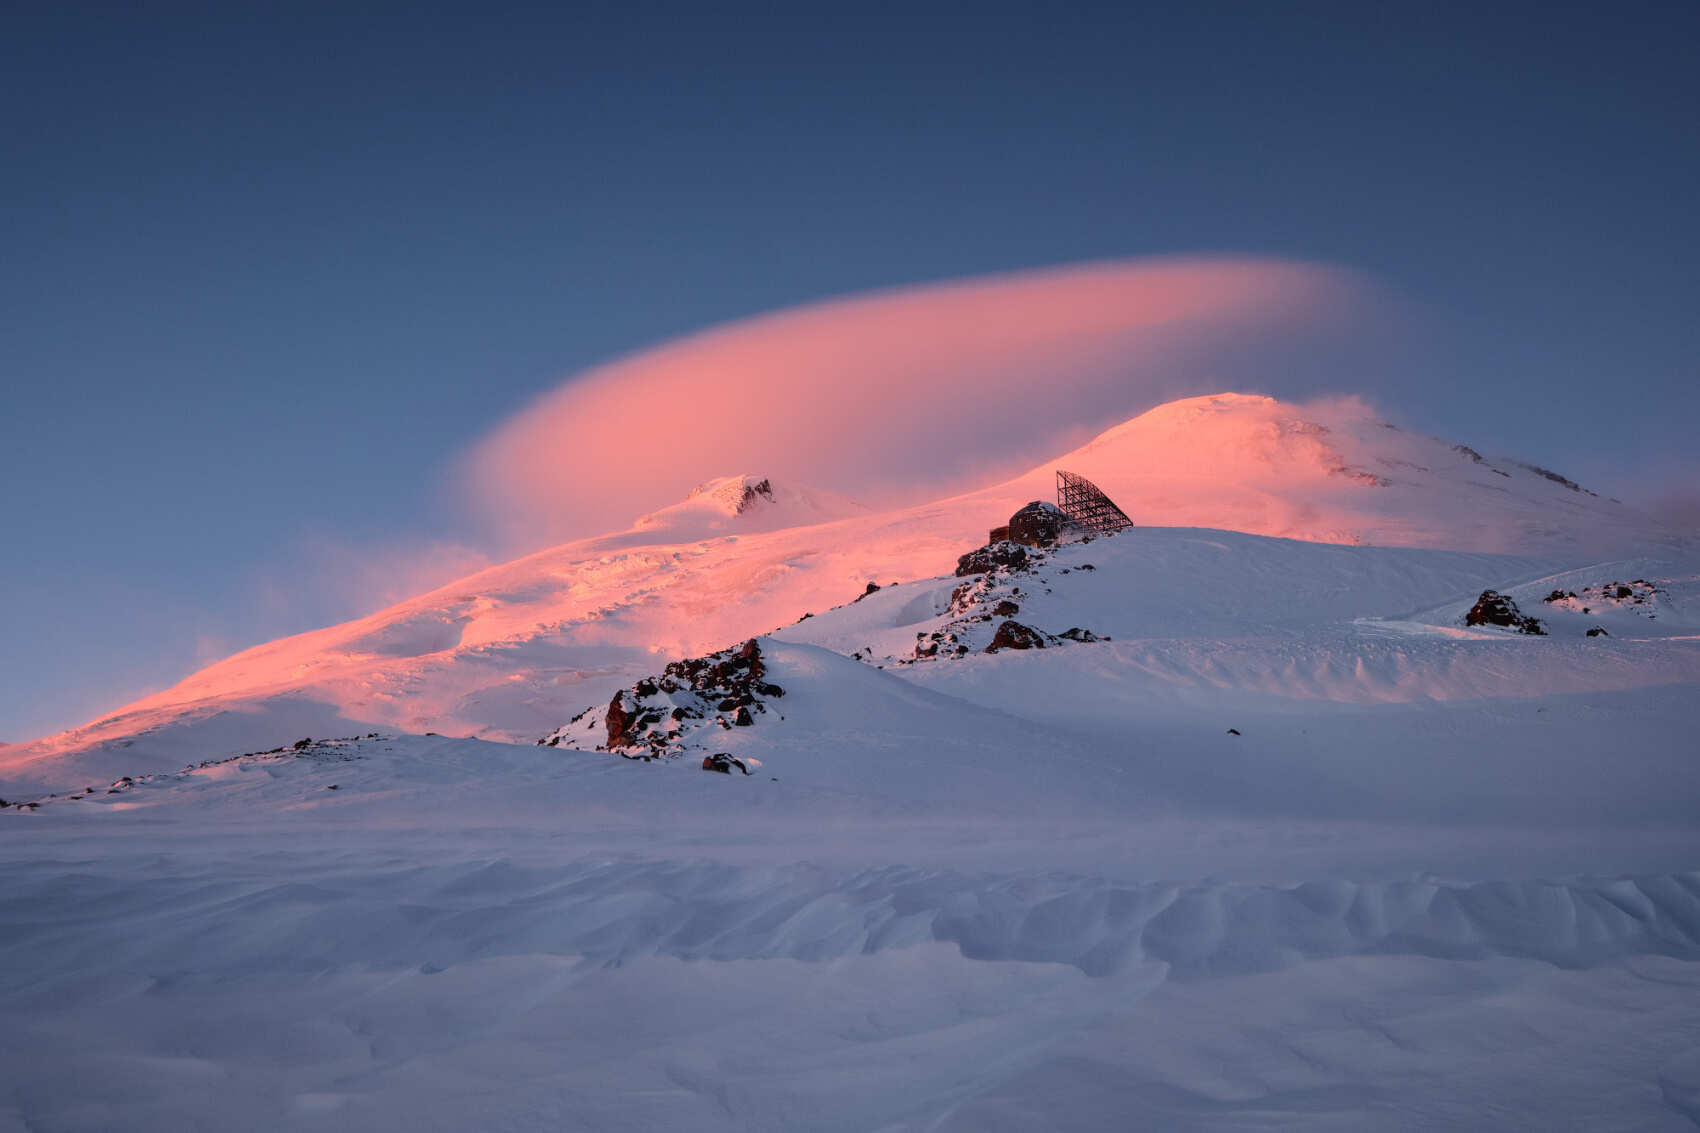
{"points": [[1548, 474], [723, 762], [873, 588], [1598, 631], [1005, 609], [301, 744]]}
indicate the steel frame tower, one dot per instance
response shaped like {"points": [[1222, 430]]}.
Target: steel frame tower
{"points": [[1080, 500]]}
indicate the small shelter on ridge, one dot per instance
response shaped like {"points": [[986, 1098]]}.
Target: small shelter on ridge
{"points": [[1079, 502]]}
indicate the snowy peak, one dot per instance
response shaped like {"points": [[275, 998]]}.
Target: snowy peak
{"points": [[1336, 472], [745, 503], [732, 495]]}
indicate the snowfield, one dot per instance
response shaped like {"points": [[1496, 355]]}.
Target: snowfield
{"points": [[1275, 841]]}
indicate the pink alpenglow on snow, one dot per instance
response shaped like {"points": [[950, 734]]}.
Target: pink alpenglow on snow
{"points": [[892, 397]]}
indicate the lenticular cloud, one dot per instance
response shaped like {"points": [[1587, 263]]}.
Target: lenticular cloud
{"points": [[895, 396]]}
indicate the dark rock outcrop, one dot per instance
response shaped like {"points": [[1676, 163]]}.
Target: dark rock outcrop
{"points": [[723, 762], [652, 718], [761, 490], [625, 719], [1496, 609], [1013, 635], [1598, 631]]}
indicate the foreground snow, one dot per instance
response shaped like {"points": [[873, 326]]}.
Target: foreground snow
{"points": [[472, 935]]}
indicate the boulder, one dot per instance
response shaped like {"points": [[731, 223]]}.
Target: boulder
{"points": [[723, 762], [1013, 635]]}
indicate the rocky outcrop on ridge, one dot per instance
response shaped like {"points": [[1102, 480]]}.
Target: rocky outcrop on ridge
{"points": [[980, 615], [1638, 596], [653, 718], [1496, 609], [1004, 555]]}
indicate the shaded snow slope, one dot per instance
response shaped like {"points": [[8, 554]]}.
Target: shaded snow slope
{"points": [[475, 935]]}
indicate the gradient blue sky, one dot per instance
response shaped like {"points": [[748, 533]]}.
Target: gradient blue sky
{"points": [[267, 268]]}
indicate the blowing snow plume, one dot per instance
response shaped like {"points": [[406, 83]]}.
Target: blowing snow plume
{"points": [[901, 395]]}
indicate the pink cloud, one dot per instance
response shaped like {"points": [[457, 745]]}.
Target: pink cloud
{"points": [[894, 396]]}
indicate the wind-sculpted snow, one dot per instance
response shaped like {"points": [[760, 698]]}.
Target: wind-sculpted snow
{"points": [[915, 910], [299, 919]]}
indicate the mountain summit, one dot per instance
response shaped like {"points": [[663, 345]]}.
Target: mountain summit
{"points": [[744, 504]]}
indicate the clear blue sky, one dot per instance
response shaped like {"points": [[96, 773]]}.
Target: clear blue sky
{"points": [[265, 268]]}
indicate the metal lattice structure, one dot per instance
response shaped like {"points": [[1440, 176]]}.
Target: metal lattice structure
{"points": [[1080, 500]]}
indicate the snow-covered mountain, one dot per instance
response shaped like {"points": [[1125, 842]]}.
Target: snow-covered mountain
{"points": [[500, 653], [1228, 821]]}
